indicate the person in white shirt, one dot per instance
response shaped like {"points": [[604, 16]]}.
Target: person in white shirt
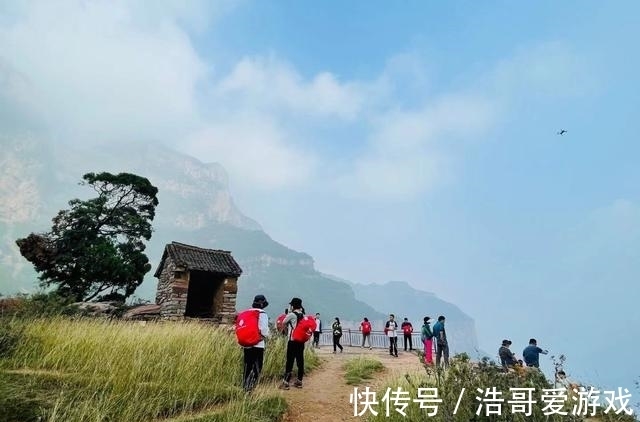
{"points": [[390, 329], [317, 332]]}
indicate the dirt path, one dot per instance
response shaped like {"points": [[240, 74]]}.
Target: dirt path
{"points": [[325, 395]]}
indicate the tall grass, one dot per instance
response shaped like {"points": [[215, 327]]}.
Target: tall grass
{"points": [[360, 369], [129, 371]]}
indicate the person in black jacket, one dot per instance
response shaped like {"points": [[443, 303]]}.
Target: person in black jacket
{"points": [[295, 349], [337, 333]]}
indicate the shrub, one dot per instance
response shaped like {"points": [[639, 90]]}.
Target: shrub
{"points": [[475, 379], [10, 335], [41, 304]]}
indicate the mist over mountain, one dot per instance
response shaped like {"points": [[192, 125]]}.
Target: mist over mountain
{"points": [[406, 302], [195, 207]]}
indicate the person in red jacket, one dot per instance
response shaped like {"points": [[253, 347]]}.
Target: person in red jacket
{"points": [[365, 327], [407, 329]]}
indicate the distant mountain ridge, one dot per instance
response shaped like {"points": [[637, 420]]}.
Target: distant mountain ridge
{"points": [[195, 207]]}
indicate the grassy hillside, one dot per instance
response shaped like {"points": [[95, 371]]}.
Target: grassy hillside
{"points": [[90, 370]]}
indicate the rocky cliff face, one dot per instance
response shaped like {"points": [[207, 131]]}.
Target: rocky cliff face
{"points": [[192, 194], [21, 169]]}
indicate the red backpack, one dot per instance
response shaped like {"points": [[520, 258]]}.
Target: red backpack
{"points": [[304, 329], [280, 323], [248, 327], [366, 327]]}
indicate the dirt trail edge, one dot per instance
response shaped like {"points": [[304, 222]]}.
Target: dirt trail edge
{"points": [[325, 395]]}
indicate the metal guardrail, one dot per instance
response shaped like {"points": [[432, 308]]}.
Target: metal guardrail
{"points": [[378, 339]]}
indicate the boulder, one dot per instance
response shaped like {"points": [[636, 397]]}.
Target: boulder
{"points": [[143, 312], [97, 308]]}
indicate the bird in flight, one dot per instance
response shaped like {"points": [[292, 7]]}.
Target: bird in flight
{"points": [[562, 132]]}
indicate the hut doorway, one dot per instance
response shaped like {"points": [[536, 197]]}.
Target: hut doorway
{"points": [[202, 300]]}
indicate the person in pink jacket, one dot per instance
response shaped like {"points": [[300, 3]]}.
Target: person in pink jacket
{"points": [[427, 340]]}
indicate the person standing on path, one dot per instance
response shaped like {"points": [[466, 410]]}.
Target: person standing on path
{"points": [[365, 327], [442, 345], [407, 330], [254, 356], [317, 332], [531, 354], [295, 349], [427, 339], [390, 328], [337, 333]]}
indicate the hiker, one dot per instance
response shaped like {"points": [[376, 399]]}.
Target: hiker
{"points": [[507, 357], [254, 356], [365, 327], [317, 332], [295, 349], [531, 354], [407, 330], [563, 382], [337, 333], [280, 327], [390, 328], [426, 336], [442, 345]]}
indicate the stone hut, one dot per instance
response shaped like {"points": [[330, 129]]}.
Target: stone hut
{"points": [[197, 283]]}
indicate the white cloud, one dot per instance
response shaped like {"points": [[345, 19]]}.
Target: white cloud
{"points": [[394, 176], [270, 84], [409, 151], [255, 151], [96, 71], [102, 70]]}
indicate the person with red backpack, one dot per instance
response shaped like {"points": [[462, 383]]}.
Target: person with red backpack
{"points": [[300, 330], [407, 330], [252, 327], [365, 327]]}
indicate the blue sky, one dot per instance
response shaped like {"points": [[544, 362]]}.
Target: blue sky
{"points": [[413, 141]]}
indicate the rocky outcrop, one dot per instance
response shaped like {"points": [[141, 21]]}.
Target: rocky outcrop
{"points": [[97, 308], [143, 312]]}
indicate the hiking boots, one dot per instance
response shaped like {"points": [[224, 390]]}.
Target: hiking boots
{"points": [[297, 384], [284, 385]]}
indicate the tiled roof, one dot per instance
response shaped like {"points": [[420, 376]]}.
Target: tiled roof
{"points": [[195, 258]]}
